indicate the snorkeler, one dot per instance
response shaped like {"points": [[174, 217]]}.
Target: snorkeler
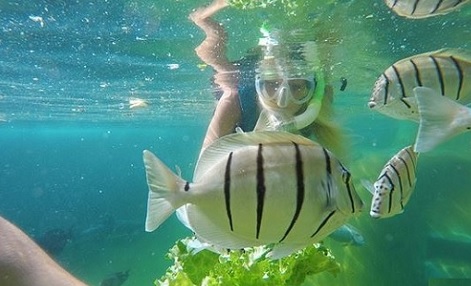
{"points": [[24, 263], [291, 95]]}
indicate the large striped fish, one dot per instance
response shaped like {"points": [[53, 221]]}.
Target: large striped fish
{"points": [[424, 8], [256, 188], [395, 184], [447, 71]]}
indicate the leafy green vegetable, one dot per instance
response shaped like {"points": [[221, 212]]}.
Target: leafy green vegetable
{"points": [[246, 267]]}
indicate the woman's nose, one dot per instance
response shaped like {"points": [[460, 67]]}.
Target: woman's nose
{"points": [[283, 97]]}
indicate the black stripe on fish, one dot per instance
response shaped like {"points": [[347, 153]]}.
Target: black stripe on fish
{"points": [[414, 7], [227, 190], [417, 73], [439, 3], [439, 74], [328, 170], [299, 187], [409, 177], [401, 187], [458, 2], [460, 76], [413, 162], [260, 188], [401, 84], [393, 189], [347, 176], [323, 223], [386, 89], [412, 159]]}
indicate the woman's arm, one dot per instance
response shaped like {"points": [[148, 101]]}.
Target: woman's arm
{"points": [[24, 263], [213, 52]]}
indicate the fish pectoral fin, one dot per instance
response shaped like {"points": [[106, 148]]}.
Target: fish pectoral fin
{"points": [[368, 185], [440, 119], [196, 245], [284, 249], [182, 216]]}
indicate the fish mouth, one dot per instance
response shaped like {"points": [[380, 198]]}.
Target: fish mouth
{"points": [[375, 215], [371, 104]]}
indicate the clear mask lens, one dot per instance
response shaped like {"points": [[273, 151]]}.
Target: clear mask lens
{"points": [[285, 90]]}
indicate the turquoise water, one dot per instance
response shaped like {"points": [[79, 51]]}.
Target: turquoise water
{"points": [[71, 148]]}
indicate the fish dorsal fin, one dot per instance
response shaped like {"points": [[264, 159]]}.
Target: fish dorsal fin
{"points": [[453, 52], [460, 54], [221, 148]]}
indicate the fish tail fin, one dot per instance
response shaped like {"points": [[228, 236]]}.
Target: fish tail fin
{"points": [[163, 191], [438, 117]]}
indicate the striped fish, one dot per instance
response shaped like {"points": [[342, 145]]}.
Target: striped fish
{"points": [[256, 188], [395, 184], [424, 8], [447, 71]]}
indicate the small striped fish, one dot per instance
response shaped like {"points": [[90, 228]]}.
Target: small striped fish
{"points": [[256, 188], [424, 8], [446, 71], [395, 184]]}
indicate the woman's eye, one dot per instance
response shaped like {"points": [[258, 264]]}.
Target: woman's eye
{"points": [[272, 85]]}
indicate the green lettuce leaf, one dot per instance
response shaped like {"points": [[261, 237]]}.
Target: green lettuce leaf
{"points": [[245, 267]]}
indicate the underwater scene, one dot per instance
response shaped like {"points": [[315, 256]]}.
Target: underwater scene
{"points": [[382, 192]]}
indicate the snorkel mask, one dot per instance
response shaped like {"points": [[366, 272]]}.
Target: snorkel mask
{"points": [[285, 90], [280, 81]]}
